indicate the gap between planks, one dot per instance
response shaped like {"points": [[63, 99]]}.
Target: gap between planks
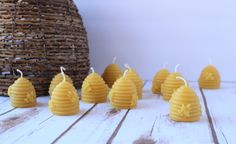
{"points": [[213, 131]]}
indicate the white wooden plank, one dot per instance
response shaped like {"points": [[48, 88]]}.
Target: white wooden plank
{"points": [[150, 123], [3, 99], [222, 108], [15, 124], [5, 106], [48, 131], [97, 127]]}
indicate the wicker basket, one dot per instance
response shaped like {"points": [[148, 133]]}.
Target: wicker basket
{"points": [[39, 36]]}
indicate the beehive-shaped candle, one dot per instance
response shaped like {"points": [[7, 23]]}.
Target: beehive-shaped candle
{"points": [[22, 93], [158, 80], [64, 99], [94, 89], [111, 73], [57, 79], [133, 75], [123, 94], [171, 84], [209, 78], [185, 105]]}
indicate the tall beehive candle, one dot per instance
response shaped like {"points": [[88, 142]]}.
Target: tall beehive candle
{"points": [[57, 79], [184, 104], [133, 75], [209, 78], [94, 89], [22, 93], [171, 84], [64, 99], [123, 94], [111, 73], [159, 79]]}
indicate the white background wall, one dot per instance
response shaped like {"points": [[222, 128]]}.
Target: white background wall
{"points": [[146, 33]]}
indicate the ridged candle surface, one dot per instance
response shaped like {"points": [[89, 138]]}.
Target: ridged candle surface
{"points": [[185, 105], [133, 75], [158, 80], [56, 80], [209, 78], [123, 94], [22, 93], [64, 99], [111, 74], [94, 89], [170, 85]]}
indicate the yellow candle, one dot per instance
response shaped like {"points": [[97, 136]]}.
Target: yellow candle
{"points": [[123, 94], [184, 104], [57, 79], [22, 93], [170, 84], [209, 78], [133, 75], [94, 89], [158, 80], [111, 73], [64, 99]]}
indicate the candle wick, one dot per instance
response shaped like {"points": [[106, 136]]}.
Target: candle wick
{"points": [[176, 67], [127, 66], [92, 69], [62, 72], [181, 78], [21, 73], [114, 60], [126, 71]]}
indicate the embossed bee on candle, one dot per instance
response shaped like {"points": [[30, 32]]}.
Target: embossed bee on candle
{"points": [[209, 78], [94, 89], [184, 104], [64, 99], [22, 93]]}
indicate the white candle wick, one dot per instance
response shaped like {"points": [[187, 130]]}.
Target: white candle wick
{"points": [[114, 60], [176, 67], [92, 69], [21, 73], [181, 78], [126, 71], [127, 66], [62, 72]]}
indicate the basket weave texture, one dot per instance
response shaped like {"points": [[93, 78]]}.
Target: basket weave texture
{"points": [[39, 36]]}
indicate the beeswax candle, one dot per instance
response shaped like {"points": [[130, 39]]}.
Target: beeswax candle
{"points": [[111, 73], [22, 93], [158, 80], [171, 84], [64, 99], [57, 79], [184, 104], [209, 78], [133, 75], [123, 94], [94, 89]]}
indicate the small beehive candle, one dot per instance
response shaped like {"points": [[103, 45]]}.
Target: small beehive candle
{"points": [[209, 78], [171, 84], [94, 89], [123, 94], [158, 80], [57, 79], [22, 93], [184, 104], [111, 73], [64, 99], [133, 75]]}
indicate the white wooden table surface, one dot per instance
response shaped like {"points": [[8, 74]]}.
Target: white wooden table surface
{"points": [[147, 124]]}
